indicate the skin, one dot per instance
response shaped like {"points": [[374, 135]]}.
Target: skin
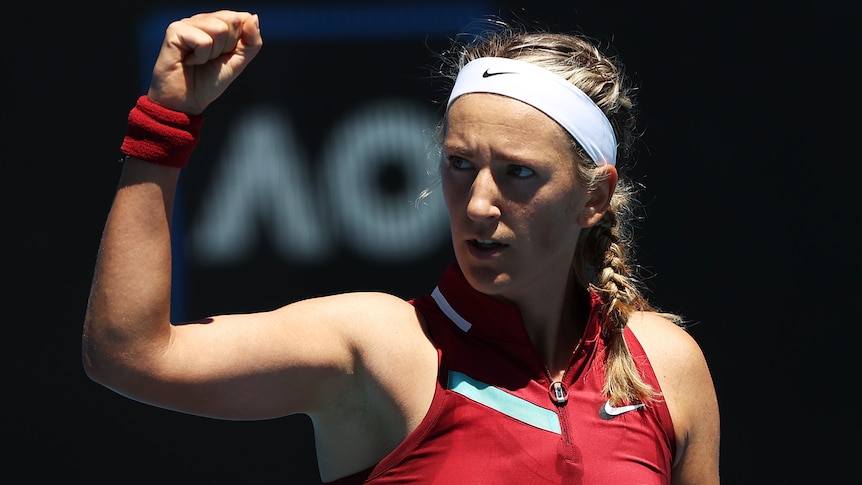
{"points": [[507, 178]]}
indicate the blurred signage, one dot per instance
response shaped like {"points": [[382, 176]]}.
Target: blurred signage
{"points": [[307, 175]]}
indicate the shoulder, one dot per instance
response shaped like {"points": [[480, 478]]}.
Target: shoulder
{"points": [[385, 334], [344, 311], [386, 338], [379, 318], [687, 388], [366, 346], [367, 321], [674, 355], [666, 343], [360, 333]]}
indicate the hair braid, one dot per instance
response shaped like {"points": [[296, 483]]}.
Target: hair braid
{"points": [[604, 249]]}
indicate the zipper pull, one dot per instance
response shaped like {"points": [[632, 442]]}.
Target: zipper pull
{"points": [[559, 394]]}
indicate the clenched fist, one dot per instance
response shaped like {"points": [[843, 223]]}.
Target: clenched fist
{"points": [[200, 57]]}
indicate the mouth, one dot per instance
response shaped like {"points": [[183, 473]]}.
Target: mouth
{"points": [[485, 245]]}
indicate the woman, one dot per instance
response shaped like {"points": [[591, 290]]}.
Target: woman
{"points": [[536, 359]]}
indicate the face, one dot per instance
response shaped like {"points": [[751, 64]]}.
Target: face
{"points": [[515, 206]]}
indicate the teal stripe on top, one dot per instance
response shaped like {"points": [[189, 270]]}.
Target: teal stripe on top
{"points": [[503, 402]]}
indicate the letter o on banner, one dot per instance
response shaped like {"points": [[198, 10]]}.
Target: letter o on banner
{"points": [[374, 222]]}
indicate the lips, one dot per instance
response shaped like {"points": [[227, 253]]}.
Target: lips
{"points": [[484, 243], [484, 248]]}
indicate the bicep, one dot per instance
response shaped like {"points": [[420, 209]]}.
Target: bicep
{"points": [[258, 365]]}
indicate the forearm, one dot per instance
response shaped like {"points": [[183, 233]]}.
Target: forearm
{"points": [[128, 314]]}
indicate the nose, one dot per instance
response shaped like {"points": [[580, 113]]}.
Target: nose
{"points": [[484, 197]]}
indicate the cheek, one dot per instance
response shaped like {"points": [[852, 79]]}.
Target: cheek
{"points": [[562, 202], [552, 225], [448, 192], [454, 192]]}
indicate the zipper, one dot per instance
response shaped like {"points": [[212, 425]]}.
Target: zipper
{"points": [[559, 394], [571, 467]]}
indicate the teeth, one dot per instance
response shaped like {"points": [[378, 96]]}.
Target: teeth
{"points": [[485, 243]]}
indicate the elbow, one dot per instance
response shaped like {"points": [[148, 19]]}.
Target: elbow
{"points": [[112, 361], [102, 345], [97, 366], [123, 351], [117, 370]]}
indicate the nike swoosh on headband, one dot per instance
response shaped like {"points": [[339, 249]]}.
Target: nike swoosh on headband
{"points": [[489, 74], [609, 412]]}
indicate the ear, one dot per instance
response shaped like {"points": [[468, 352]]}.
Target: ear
{"points": [[599, 199]]}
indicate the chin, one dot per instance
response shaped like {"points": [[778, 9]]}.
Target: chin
{"points": [[489, 281]]}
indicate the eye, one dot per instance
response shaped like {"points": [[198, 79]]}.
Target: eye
{"points": [[519, 171], [459, 163]]}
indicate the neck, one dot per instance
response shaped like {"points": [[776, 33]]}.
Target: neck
{"points": [[556, 327]]}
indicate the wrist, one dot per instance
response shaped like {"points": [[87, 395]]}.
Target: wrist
{"points": [[159, 135]]}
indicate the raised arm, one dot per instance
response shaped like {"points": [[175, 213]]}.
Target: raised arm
{"points": [[250, 366]]}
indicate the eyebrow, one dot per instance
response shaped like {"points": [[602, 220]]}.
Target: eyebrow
{"points": [[463, 150]]}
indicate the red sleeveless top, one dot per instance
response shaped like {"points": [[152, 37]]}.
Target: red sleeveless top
{"points": [[496, 418]]}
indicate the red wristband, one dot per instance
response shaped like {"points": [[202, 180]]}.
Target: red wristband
{"points": [[159, 135]]}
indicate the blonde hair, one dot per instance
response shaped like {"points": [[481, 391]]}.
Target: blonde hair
{"points": [[603, 260]]}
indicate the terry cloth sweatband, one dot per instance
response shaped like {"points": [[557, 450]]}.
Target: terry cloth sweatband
{"points": [[159, 135], [561, 100]]}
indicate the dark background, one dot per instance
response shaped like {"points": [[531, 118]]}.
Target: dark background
{"points": [[751, 118]]}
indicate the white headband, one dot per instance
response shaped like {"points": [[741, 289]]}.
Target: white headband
{"points": [[547, 92]]}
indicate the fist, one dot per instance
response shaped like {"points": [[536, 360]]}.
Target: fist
{"points": [[200, 57]]}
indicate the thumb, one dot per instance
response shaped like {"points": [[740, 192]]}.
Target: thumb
{"points": [[248, 45], [251, 40]]}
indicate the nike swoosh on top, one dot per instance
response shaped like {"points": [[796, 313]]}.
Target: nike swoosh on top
{"points": [[489, 74], [609, 412]]}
